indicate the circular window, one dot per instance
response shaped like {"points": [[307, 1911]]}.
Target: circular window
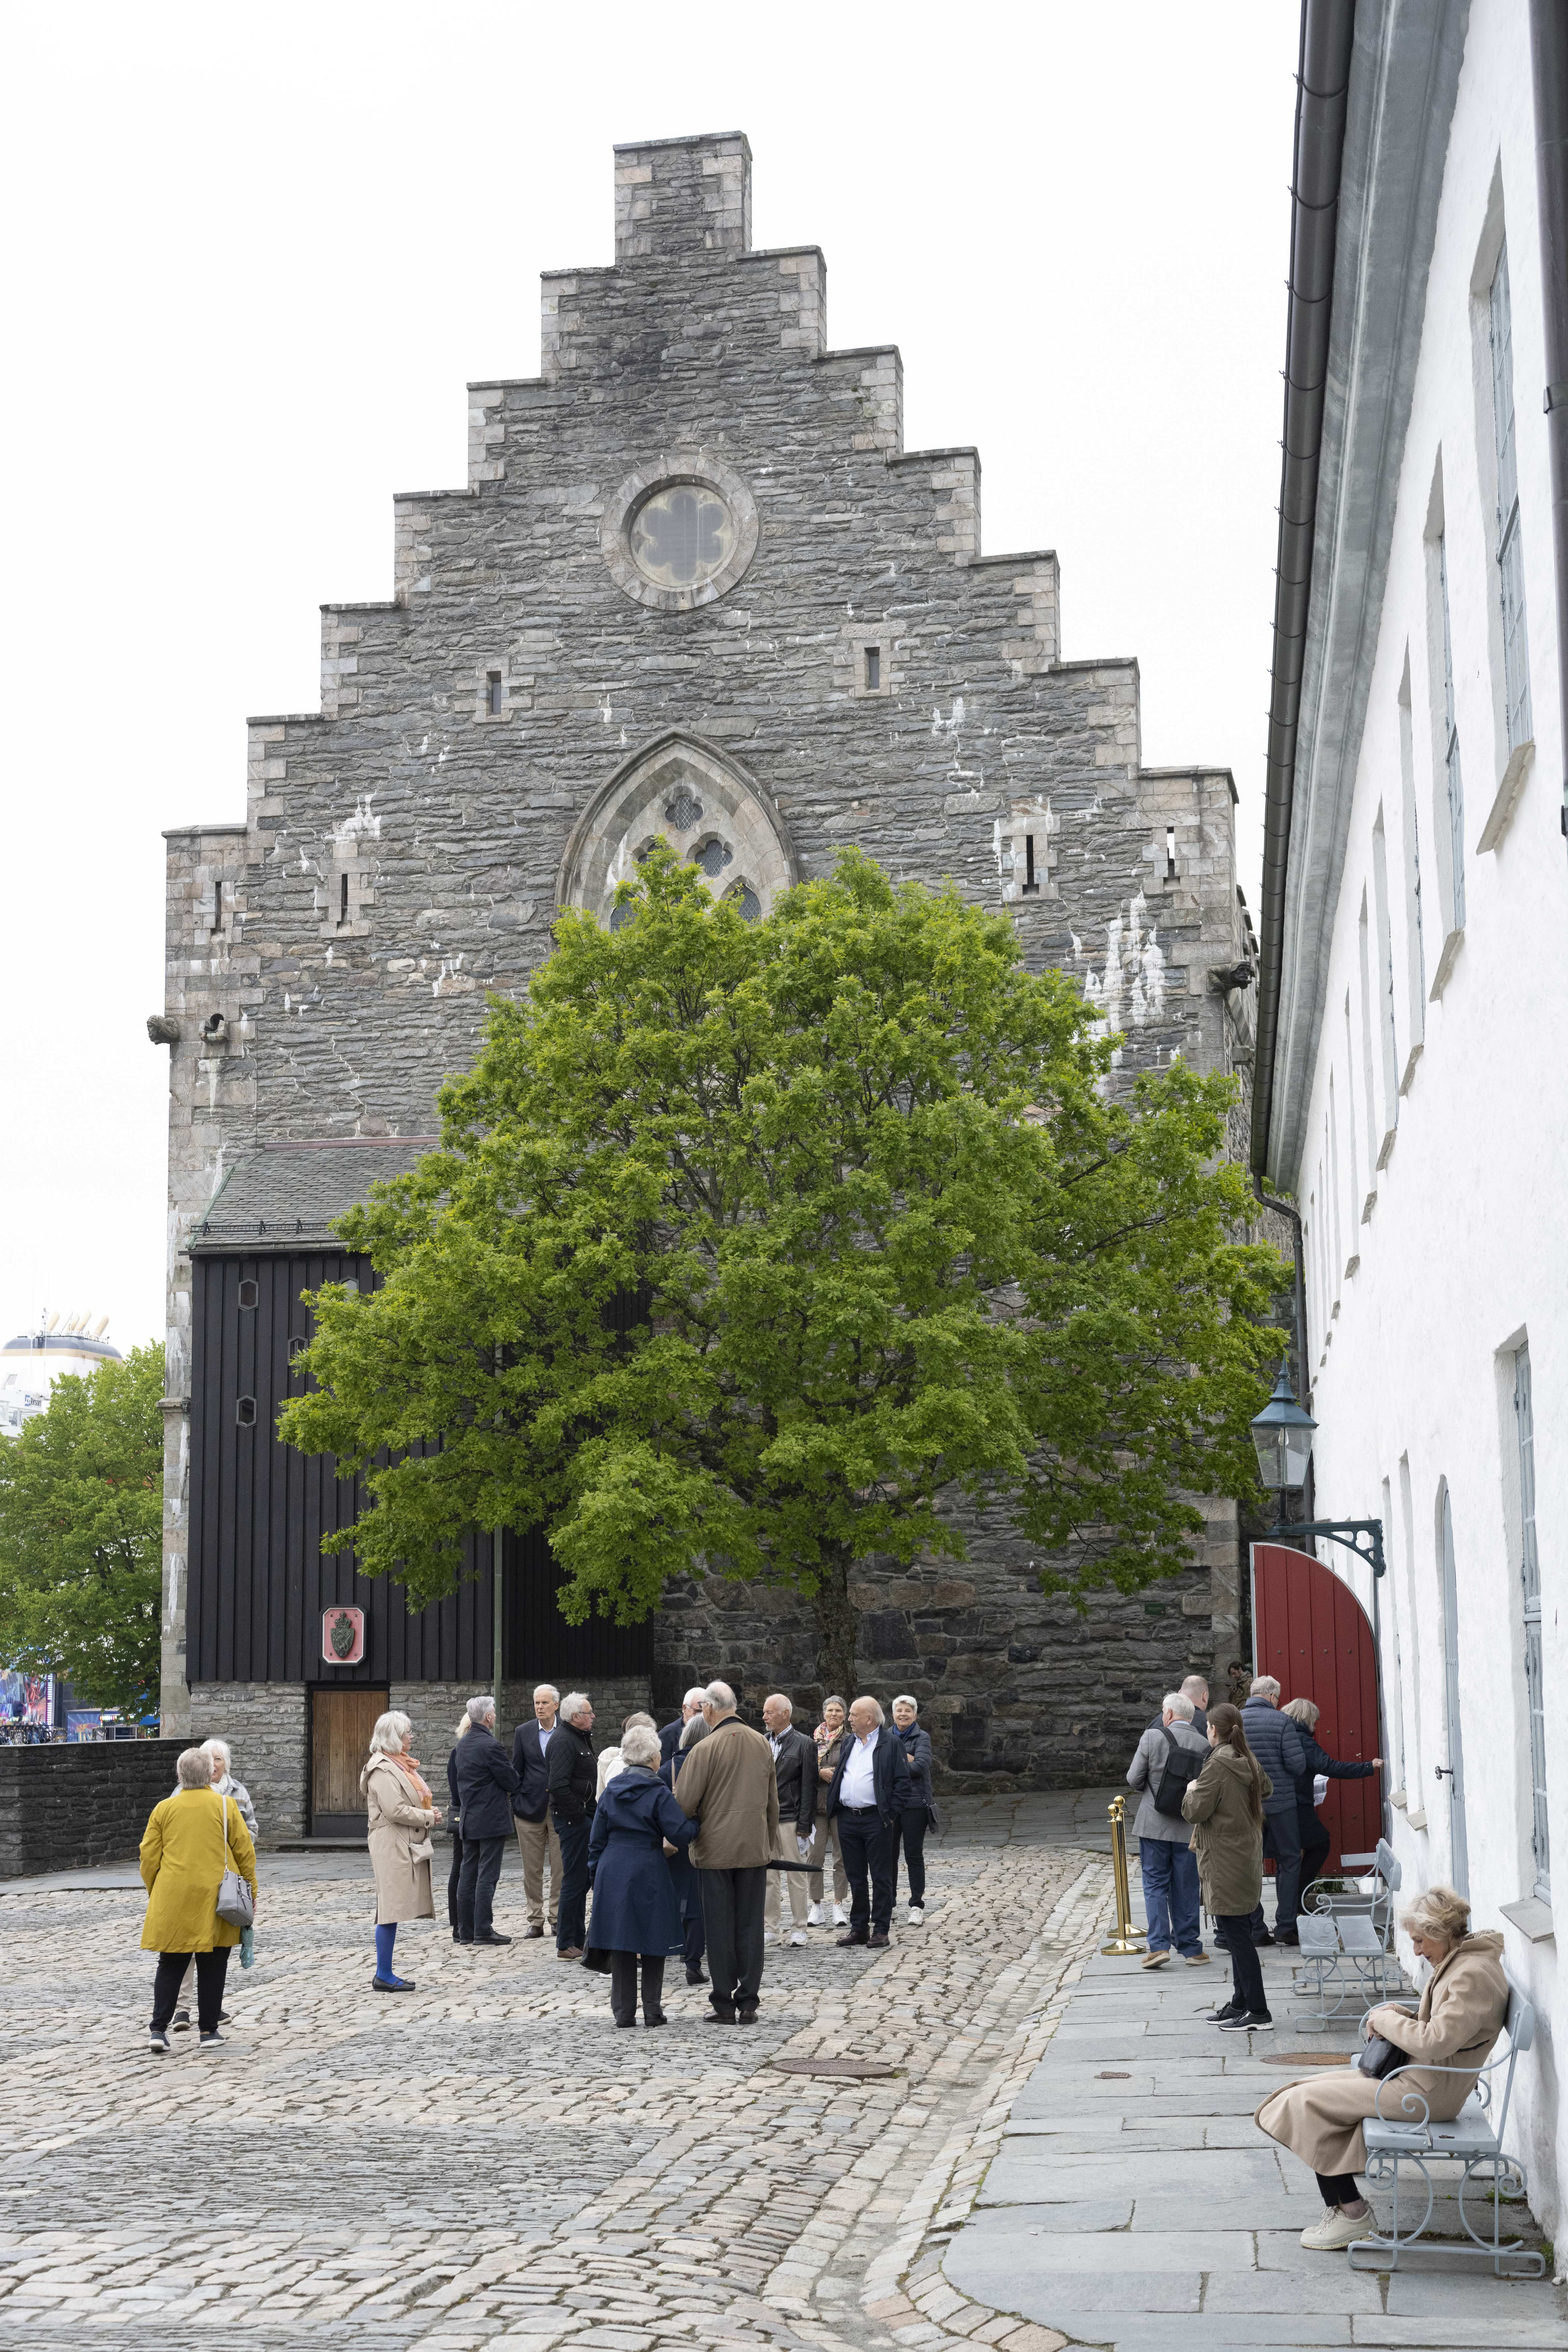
{"points": [[682, 536], [681, 531]]}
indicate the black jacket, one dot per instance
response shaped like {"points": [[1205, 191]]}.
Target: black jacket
{"points": [[891, 1774], [796, 1765], [916, 1744], [572, 1773], [1320, 1760], [528, 1761], [1276, 1741], [486, 1784], [669, 1737]]}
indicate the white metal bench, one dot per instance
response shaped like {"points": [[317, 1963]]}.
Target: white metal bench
{"points": [[1346, 1935], [1401, 2137]]}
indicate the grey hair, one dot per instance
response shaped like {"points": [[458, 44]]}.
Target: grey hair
{"points": [[1264, 1686], [216, 1748], [720, 1695], [1304, 1711], [573, 1703], [540, 1689], [639, 1718], [193, 1768], [833, 1700], [1196, 1688], [639, 1744], [1178, 1704], [866, 1699], [694, 1696], [777, 1698], [480, 1708], [904, 1699], [690, 1733], [1438, 1912], [391, 1730]]}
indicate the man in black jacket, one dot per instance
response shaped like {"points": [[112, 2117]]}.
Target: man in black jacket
{"points": [[669, 1736], [485, 1787], [869, 1796], [795, 1766], [570, 1775], [1197, 1690], [1275, 1742], [536, 1839]]}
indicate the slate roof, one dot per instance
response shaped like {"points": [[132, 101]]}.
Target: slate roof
{"points": [[285, 1193]]}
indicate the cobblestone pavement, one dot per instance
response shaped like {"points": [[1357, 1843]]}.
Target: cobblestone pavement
{"points": [[489, 2163]]}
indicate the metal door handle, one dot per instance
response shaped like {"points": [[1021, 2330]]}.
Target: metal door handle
{"points": [[1442, 1771]]}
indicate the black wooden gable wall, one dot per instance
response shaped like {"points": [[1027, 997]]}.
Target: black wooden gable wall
{"points": [[258, 1579]]}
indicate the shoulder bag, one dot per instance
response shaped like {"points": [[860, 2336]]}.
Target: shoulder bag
{"points": [[1179, 1770], [236, 1904]]}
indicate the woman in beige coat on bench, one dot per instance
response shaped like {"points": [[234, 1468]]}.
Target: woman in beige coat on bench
{"points": [[1460, 2016]]}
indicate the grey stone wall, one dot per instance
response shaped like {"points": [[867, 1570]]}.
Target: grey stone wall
{"points": [[329, 958], [268, 1727], [64, 1807]]}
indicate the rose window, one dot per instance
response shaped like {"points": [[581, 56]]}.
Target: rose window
{"points": [[683, 535]]}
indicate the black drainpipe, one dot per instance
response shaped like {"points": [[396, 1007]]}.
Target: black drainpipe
{"points": [[1549, 61], [1322, 82]]}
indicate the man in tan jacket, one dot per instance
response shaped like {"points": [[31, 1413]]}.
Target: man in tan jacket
{"points": [[727, 1786]]}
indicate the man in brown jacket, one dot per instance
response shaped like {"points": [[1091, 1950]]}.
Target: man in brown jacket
{"points": [[728, 1787]]}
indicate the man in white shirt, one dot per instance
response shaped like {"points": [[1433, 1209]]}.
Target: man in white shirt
{"points": [[867, 1801], [536, 1839]]}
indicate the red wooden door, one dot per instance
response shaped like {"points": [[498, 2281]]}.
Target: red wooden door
{"points": [[1313, 1634]]}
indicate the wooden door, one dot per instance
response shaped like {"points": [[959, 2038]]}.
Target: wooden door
{"points": [[341, 1723], [1311, 1633]]}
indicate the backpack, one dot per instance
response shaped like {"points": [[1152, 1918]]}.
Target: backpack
{"points": [[1180, 1769]]}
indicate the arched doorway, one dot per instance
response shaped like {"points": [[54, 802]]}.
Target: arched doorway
{"points": [[1311, 1633]]}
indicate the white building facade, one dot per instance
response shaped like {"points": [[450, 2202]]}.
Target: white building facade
{"points": [[1412, 1095]]}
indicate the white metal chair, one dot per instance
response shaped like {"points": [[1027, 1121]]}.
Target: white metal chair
{"points": [[1474, 2139]]}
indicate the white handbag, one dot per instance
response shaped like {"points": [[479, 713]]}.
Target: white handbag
{"points": [[236, 1904]]}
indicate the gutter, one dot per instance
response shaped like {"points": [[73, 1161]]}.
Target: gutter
{"points": [[1549, 65], [1321, 87]]}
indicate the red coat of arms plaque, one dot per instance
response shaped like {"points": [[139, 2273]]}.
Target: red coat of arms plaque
{"points": [[342, 1636]]}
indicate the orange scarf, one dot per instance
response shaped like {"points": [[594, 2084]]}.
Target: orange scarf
{"points": [[409, 1766]]}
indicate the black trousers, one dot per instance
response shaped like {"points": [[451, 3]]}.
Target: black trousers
{"points": [[211, 1970], [1234, 1933], [1338, 2189], [1282, 1840], [452, 1878], [694, 1940], [476, 1886], [624, 1984], [870, 1858], [1315, 1843], [572, 1910], [910, 1837], [732, 1924]]}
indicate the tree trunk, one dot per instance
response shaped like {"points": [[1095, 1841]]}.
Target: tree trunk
{"points": [[836, 1623]]}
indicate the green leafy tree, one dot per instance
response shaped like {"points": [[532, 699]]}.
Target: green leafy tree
{"points": [[81, 1511], [890, 1244]]}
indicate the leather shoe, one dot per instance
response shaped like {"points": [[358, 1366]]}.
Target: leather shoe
{"points": [[570, 1952], [719, 2017], [657, 2017], [696, 1976], [1264, 1938], [745, 2017], [625, 2020], [843, 1942], [876, 1940], [531, 1933], [492, 1938]]}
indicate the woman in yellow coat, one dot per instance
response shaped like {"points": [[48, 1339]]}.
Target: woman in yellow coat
{"points": [[190, 1840]]}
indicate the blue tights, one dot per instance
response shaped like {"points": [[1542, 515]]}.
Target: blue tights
{"points": [[385, 1937]]}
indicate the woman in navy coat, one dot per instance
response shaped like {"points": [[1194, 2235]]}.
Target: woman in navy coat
{"points": [[634, 1910], [682, 1878]]}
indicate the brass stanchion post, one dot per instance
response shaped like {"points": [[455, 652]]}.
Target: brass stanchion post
{"points": [[1125, 1939]]}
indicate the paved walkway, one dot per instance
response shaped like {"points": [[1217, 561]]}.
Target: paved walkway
{"points": [[489, 2163], [1132, 2191]]}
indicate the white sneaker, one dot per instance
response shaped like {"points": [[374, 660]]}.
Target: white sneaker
{"points": [[840, 1917], [798, 1936], [1337, 2230], [917, 1915], [816, 1916]]}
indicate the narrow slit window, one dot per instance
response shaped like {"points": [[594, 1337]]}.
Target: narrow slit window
{"points": [[249, 1293], [873, 668], [1170, 853], [494, 694], [343, 898], [1031, 882], [217, 906]]}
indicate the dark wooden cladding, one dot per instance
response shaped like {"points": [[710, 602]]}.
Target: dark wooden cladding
{"points": [[258, 1580]]}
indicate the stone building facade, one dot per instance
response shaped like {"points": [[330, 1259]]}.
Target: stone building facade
{"points": [[695, 585]]}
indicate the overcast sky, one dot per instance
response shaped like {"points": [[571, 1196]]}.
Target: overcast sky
{"points": [[257, 252]]}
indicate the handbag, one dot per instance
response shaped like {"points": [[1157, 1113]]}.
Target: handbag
{"points": [[424, 1851], [236, 1904], [1377, 2057]]}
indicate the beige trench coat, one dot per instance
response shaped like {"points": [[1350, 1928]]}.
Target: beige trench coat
{"points": [[396, 1826], [1460, 2017]]}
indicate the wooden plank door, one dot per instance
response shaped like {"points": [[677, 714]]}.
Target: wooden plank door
{"points": [[1311, 1633], [341, 1723]]}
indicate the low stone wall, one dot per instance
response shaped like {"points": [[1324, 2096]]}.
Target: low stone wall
{"points": [[268, 1727], [61, 1807]]}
